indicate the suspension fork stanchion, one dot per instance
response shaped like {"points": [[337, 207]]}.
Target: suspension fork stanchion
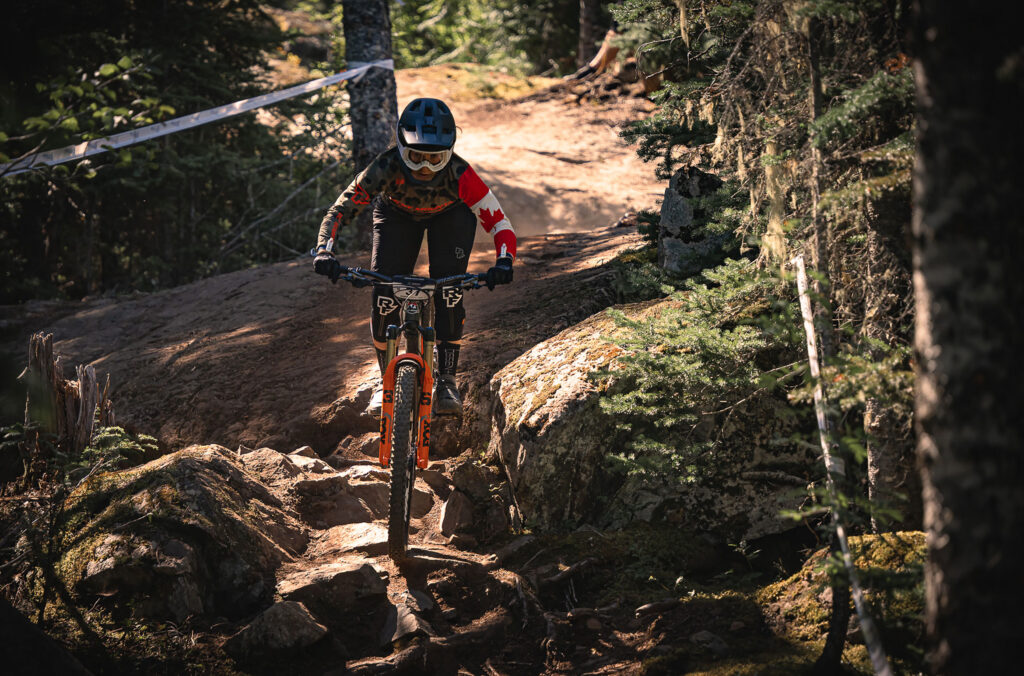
{"points": [[426, 394], [391, 346], [387, 409]]}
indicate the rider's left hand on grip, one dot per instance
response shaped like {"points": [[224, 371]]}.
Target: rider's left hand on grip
{"points": [[501, 273]]}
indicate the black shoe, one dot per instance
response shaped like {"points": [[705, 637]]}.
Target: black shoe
{"points": [[446, 396]]}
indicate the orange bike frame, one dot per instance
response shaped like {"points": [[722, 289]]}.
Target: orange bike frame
{"points": [[387, 412]]}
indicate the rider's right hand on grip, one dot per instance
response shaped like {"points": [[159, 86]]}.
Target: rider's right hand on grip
{"points": [[326, 264]]}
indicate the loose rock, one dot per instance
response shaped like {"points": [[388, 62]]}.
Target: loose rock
{"points": [[282, 626], [456, 514], [334, 587], [709, 641]]}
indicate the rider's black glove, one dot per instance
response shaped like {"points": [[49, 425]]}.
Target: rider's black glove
{"points": [[501, 273], [326, 264]]}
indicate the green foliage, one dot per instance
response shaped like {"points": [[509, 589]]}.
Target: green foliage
{"points": [[216, 198], [638, 276], [116, 448], [659, 136], [885, 100], [522, 37], [741, 106], [690, 368]]}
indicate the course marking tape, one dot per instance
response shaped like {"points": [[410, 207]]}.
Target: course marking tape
{"points": [[82, 150]]}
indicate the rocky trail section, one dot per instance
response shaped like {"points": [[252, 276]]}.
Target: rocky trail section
{"points": [[272, 563], [280, 559]]}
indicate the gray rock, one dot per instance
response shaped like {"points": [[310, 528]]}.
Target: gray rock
{"points": [[312, 465], [456, 514], [366, 445], [282, 626], [470, 478], [329, 500], [419, 601], [375, 494], [402, 622], [372, 485], [436, 480], [336, 586], [271, 467], [369, 538], [422, 502], [372, 472], [493, 519], [546, 428], [215, 545], [553, 441], [709, 641], [686, 247], [305, 452]]}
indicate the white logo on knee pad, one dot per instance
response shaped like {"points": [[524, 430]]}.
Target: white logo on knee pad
{"points": [[452, 297], [386, 305]]}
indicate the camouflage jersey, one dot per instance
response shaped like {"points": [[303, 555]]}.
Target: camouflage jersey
{"points": [[388, 176]]}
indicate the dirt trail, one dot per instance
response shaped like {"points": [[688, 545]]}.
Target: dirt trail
{"points": [[276, 356], [555, 167]]}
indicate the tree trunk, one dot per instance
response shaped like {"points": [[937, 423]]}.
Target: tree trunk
{"points": [[590, 32], [831, 655], [968, 231], [373, 102], [26, 649], [775, 236], [892, 477]]}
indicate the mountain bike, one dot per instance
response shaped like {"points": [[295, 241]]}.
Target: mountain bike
{"points": [[408, 385]]}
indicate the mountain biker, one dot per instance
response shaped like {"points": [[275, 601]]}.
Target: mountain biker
{"points": [[422, 186]]}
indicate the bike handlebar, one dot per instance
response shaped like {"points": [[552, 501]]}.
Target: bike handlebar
{"points": [[466, 281]]}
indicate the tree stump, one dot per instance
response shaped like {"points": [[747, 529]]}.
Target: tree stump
{"points": [[60, 415]]}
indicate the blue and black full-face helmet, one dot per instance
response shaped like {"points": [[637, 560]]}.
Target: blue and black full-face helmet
{"points": [[426, 126]]}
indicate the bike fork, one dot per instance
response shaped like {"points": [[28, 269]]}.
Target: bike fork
{"points": [[425, 362]]}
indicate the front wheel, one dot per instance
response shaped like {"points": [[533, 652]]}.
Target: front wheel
{"points": [[403, 459]]}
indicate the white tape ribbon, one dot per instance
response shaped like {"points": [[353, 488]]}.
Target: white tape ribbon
{"points": [[101, 145]]}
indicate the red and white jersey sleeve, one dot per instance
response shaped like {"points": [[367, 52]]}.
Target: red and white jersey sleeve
{"points": [[475, 193]]}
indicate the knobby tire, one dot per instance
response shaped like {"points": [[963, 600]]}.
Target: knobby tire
{"points": [[403, 460]]}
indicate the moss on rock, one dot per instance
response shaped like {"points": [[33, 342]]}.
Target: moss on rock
{"points": [[190, 532], [890, 569]]}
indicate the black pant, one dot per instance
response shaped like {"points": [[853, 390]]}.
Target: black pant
{"points": [[397, 238]]}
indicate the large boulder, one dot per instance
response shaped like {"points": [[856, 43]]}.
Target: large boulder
{"points": [[547, 430], [187, 534], [554, 443]]}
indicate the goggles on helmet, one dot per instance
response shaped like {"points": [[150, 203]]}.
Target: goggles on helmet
{"points": [[424, 157]]}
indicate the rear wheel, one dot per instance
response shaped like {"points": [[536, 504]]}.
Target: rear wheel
{"points": [[403, 460]]}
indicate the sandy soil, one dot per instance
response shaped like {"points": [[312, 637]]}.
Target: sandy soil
{"points": [[277, 356]]}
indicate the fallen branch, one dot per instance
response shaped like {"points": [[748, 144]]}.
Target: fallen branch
{"points": [[568, 572], [657, 607]]}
